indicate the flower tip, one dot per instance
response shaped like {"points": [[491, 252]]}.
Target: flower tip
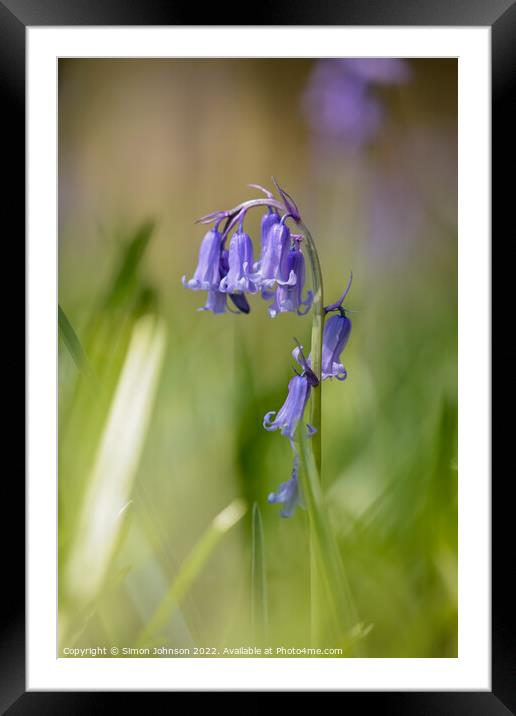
{"points": [[289, 202]]}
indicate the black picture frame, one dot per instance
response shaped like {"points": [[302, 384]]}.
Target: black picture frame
{"points": [[500, 15]]}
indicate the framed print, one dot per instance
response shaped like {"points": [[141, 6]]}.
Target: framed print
{"points": [[258, 367]]}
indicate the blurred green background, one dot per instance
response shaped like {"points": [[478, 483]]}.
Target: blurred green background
{"points": [[161, 407]]}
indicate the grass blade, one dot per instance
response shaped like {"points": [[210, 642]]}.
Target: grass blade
{"points": [[126, 275], [259, 611], [110, 481], [72, 342], [190, 569]]}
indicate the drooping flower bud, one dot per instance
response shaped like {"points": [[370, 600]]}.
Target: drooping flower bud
{"points": [[337, 330]]}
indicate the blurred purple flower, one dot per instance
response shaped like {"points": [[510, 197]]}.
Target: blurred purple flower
{"points": [[380, 70], [339, 102], [288, 493]]}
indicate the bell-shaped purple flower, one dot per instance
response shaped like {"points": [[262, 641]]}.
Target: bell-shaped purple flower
{"points": [[275, 246], [289, 295], [240, 268], [216, 303], [288, 493], [207, 273], [217, 299], [337, 330], [269, 220], [291, 412]]}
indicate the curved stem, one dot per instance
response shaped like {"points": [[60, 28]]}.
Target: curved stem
{"points": [[316, 343], [244, 206]]}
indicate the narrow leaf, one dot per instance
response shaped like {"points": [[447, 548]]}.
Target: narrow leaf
{"points": [[191, 568], [72, 342], [125, 275], [259, 612]]}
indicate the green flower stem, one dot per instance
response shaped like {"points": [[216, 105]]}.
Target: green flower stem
{"points": [[333, 614], [330, 594], [316, 345]]}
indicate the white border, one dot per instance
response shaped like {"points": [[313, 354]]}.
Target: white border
{"points": [[471, 670]]}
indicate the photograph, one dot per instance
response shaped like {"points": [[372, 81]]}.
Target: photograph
{"points": [[257, 358]]}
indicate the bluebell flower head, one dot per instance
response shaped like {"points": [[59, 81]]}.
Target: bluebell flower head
{"points": [[207, 273], [240, 265], [288, 493], [289, 293], [231, 272]]}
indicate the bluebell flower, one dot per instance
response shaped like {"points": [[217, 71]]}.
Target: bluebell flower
{"points": [[207, 273], [289, 295], [240, 265], [337, 330], [289, 415], [216, 302], [275, 246], [217, 299], [293, 408], [336, 334], [269, 219], [288, 493]]}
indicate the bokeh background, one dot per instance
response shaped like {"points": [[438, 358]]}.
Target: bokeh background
{"points": [[161, 406]]}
